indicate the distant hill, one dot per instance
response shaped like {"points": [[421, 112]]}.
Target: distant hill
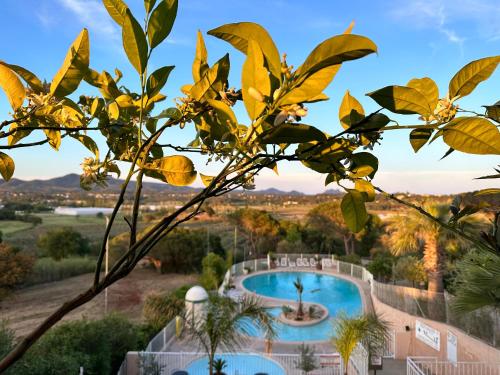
{"points": [[70, 183]]}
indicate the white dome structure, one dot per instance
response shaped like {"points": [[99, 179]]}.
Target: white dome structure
{"points": [[195, 301], [196, 294]]}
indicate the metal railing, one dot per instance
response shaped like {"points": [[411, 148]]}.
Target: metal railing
{"points": [[159, 342], [166, 363], [433, 366]]}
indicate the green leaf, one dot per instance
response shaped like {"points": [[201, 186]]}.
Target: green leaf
{"points": [[148, 5], [157, 80], [177, 170], [428, 88], [475, 72], [54, 138], [293, 133], [74, 67], [493, 111], [350, 111], [88, 142], [116, 9], [402, 99], [7, 166], [354, 210], [213, 80], [226, 120], [312, 87], [367, 188], [134, 42], [161, 22], [419, 137], [96, 107], [254, 76], [31, 79], [238, 35], [12, 87], [200, 63], [334, 51], [473, 135], [361, 160], [172, 113], [489, 191]]}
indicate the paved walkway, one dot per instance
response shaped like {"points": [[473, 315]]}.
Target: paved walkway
{"points": [[393, 367]]}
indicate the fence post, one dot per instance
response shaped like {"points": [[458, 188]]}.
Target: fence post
{"points": [[352, 268], [255, 264]]}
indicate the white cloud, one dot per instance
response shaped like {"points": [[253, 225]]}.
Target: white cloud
{"points": [[92, 14], [479, 17]]}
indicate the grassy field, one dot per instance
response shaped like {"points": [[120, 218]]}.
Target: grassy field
{"points": [[10, 226], [25, 236]]}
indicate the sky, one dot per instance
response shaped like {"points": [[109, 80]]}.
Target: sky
{"points": [[415, 38]]}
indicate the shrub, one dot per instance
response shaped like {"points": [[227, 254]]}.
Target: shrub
{"points": [[351, 258], [381, 266], [64, 242], [159, 309], [410, 268], [47, 270], [214, 269], [99, 346], [6, 339], [14, 268]]}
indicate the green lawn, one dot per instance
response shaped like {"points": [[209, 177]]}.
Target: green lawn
{"points": [[10, 226]]}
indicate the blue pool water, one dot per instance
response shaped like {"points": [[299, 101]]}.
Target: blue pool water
{"points": [[336, 294], [238, 364]]}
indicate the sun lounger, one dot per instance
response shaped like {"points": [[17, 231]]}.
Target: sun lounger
{"points": [[312, 262], [305, 262], [283, 262], [327, 263], [299, 262]]}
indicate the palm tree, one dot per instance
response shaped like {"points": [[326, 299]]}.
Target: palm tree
{"points": [[226, 324], [369, 330], [300, 289], [410, 233]]}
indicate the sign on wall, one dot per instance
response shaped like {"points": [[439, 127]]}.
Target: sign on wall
{"points": [[427, 335], [451, 348]]}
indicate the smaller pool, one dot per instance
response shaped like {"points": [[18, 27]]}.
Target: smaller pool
{"points": [[238, 364]]}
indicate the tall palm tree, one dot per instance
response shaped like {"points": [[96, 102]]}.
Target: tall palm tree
{"points": [[300, 289], [414, 231], [226, 324], [369, 330]]}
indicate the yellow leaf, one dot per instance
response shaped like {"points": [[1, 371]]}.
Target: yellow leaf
{"points": [[402, 99], [207, 180], [365, 187], [116, 9], [254, 76], [473, 135], [134, 42], [12, 87], [7, 166], [475, 72], [161, 21], [350, 111], [177, 170], [32, 80], [200, 63], [74, 67], [428, 88]]}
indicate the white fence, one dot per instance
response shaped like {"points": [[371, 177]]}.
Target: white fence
{"points": [[433, 366], [158, 343], [166, 363]]}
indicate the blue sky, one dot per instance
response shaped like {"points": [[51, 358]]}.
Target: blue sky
{"points": [[416, 38]]}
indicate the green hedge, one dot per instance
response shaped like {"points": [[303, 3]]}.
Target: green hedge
{"points": [[47, 270]]}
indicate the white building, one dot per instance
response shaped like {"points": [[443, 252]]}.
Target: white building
{"points": [[82, 211]]}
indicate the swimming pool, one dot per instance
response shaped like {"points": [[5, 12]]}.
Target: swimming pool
{"points": [[336, 294], [238, 364]]}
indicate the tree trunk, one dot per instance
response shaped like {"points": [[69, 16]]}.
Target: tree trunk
{"points": [[349, 243], [211, 363], [433, 262]]}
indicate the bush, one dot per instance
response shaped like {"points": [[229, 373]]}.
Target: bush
{"points": [[170, 254], [6, 339], [410, 268], [64, 242], [351, 258], [99, 346], [381, 266], [47, 270], [214, 269], [159, 309], [14, 268]]}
